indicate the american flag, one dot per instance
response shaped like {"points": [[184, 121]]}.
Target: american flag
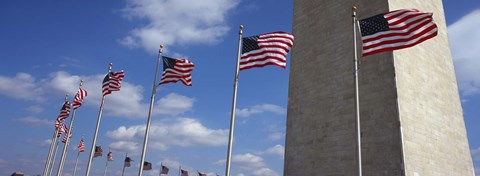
{"points": [[396, 30], [98, 151], [265, 49], [127, 162], [81, 94], [64, 112], [164, 170], [147, 166], [81, 146], [63, 129], [183, 172], [201, 174], [177, 70], [109, 156], [67, 133], [112, 82]]}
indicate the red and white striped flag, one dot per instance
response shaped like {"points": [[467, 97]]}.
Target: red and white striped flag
{"points": [[177, 70], [396, 30], [110, 156], [64, 140], [112, 82], [81, 94], [64, 112], [81, 146], [63, 129], [266, 49]]}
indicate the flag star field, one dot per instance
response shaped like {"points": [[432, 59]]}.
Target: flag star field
{"points": [[48, 47]]}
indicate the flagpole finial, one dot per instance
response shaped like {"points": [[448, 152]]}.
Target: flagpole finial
{"points": [[354, 8], [161, 49], [66, 96], [81, 82], [241, 29], [241, 26]]}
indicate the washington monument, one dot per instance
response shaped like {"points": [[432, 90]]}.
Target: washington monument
{"points": [[410, 113]]}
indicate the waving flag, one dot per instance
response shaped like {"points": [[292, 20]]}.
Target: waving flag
{"points": [[81, 146], [127, 162], [177, 70], [164, 170], [183, 172], [109, 156], [98, 151], [396, 30], [64, 112], [147, 166], [67, 133], [63, 129], [112, 82], [81, 94], [265, 49]]}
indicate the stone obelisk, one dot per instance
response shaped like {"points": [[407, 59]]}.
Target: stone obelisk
{"points": [[410, 113]]}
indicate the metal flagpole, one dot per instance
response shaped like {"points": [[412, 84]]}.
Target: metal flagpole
{"points": [[76, 161], [180, 170], [123, 171], [54, 157], [94, 140], [152, 99], [50, 152], [67, 141], [357, 106], [52, 145], [106, 164], [234, 103]]}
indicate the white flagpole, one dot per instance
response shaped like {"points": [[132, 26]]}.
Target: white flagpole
{"points": [[106, 163], [54, 157], [52, 145], [152, 99], [234, 103], [76, 162], [94, 140], [67, 141], [357, 106], [50, 152]]}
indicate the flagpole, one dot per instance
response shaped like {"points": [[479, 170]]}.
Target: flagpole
{"points": [[76, 161], [357, 106], [54, 157], [234, 103], [180, 170], [152, 99], [123, 170], [52, 145], [50, 152], [106, 164], [67, 141], [94, 140]]}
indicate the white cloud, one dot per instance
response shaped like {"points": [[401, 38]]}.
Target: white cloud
{"points": [[34, 121], [275, 136], [128, 102], [22, 86], [182, 132], [34, 109], [257, 109], [276, 150], [177, 22], [464, 39], [249, 164]]}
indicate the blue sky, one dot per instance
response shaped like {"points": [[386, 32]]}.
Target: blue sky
{"points": [[47, 47]]}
